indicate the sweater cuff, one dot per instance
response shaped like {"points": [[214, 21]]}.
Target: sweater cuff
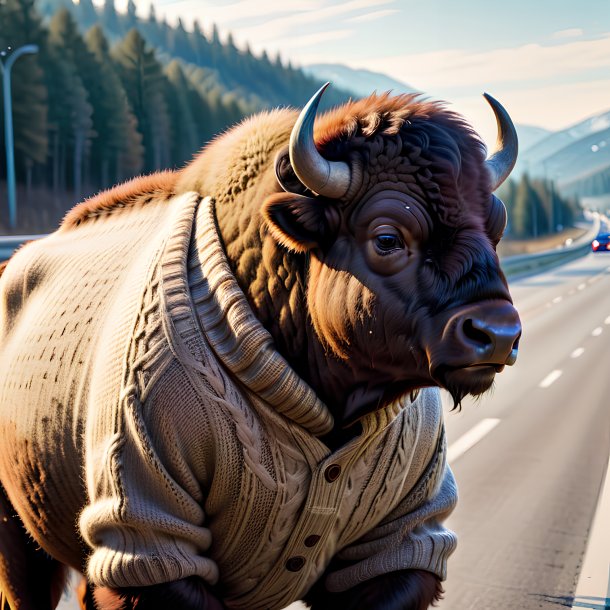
{"points": [[128, 556], [416, 541]]}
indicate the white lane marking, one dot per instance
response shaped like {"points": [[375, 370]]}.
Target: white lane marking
{"points": [[607, 320], [596, 332], [593, 580], [550, 378], [557, 299], [471, 438], [579, 351], [581, 286]]}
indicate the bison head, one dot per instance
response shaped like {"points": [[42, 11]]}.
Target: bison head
{"points": [[392, 204]]}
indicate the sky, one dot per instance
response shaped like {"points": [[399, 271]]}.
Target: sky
{"points": [[547, 61]]}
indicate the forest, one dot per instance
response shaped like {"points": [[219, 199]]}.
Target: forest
{"points": [[111, 95]]}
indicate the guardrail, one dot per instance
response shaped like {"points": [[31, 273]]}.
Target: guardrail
{"points": [[10, 243], [527, 264], [513, 266]]}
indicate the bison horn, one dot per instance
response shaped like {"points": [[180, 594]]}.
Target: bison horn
{"points": [[501, 162], [324, 177]]}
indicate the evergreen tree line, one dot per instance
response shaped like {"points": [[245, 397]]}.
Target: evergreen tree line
{"points": [[209, 62], [535, 208], [87, 116]]}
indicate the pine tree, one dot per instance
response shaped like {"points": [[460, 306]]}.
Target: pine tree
{"points": [[529, 217], [70, 104], [130, 19], [116, 151], [110, 19], [183, 126], [86, 14], [178, 43], [144, 83], [199, 45]]}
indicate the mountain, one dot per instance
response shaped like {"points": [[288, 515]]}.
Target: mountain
{"points": [[359, 82], [559, 140], [530, 135], [577, 158]]}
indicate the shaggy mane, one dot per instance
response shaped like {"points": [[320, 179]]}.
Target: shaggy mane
{"points": [[383, 114], [138, 191]]}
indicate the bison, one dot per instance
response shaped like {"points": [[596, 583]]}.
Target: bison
{"points": [[220, 384]]}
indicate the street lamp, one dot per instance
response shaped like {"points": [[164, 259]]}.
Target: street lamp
{"points": [[5, 68]]}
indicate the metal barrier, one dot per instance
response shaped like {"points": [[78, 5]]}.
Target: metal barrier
{"points": [[10, 243], [528, 264]]}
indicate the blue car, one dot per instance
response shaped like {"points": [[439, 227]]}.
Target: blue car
{"points": [[601, 243]]}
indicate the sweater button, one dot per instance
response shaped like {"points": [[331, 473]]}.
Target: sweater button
{"points": [[312, 540], [332, 472], [294, 564]]}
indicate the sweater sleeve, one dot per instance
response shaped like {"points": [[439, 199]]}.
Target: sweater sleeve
{"points": [[413, 536], [145, 521]]}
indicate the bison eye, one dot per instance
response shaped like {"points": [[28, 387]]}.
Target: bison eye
{"points": [[387, 242]]}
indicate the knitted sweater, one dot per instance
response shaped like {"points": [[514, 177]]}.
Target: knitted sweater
{"points": [[150, 430]]}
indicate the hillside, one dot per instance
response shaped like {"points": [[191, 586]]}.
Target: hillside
{"points": [[577, 158], [258, 82], [359, 82]]}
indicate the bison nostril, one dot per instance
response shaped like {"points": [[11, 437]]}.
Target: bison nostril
{"points": [[476, 335], [516, 343]]}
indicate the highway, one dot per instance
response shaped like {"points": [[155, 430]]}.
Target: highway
{"points": [[530, 456]]}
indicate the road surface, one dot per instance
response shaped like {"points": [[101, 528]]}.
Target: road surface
{"points": [[530, 457]]}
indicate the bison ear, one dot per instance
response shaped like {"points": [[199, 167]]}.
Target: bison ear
{"points": [[295, 221], [496, 220], [286, 176]]}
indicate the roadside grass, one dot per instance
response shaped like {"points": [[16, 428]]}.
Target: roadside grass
{"points": [[512, 247]]}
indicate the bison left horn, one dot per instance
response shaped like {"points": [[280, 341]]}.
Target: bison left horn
{"points": [[502, 160], [324, 177]]}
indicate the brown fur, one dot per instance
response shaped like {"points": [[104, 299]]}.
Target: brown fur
{"points": [[138, 191], [403, 590]]}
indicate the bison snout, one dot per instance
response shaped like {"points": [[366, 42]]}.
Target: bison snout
{"points": [[488, 333]]}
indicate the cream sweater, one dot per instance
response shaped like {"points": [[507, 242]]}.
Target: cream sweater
{"points": [[150, 431]]}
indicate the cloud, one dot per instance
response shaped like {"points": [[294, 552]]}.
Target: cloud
{"points": [[553, 107], [569, 33], [298, 21], [457, 68], [310, 40], [228, 14], [373, 16]]}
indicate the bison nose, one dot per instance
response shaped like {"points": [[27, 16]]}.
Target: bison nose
{"points": [[491, 333]]}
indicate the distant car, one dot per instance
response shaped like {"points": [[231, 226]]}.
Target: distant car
{"points": [[601, 243]]}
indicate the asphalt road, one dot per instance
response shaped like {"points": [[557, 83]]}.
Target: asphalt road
{"points": [[529, 488], [530, 482]]}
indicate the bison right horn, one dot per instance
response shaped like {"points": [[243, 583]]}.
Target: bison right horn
{"points": [[323, 177], [502, 160]]}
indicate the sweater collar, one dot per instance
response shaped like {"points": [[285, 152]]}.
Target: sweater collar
{"points": [[238, 338]]}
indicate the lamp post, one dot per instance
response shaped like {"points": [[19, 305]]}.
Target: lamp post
{"points": [[5, 68]]}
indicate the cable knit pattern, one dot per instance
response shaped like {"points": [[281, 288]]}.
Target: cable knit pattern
{"points": [[161, 419]]}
